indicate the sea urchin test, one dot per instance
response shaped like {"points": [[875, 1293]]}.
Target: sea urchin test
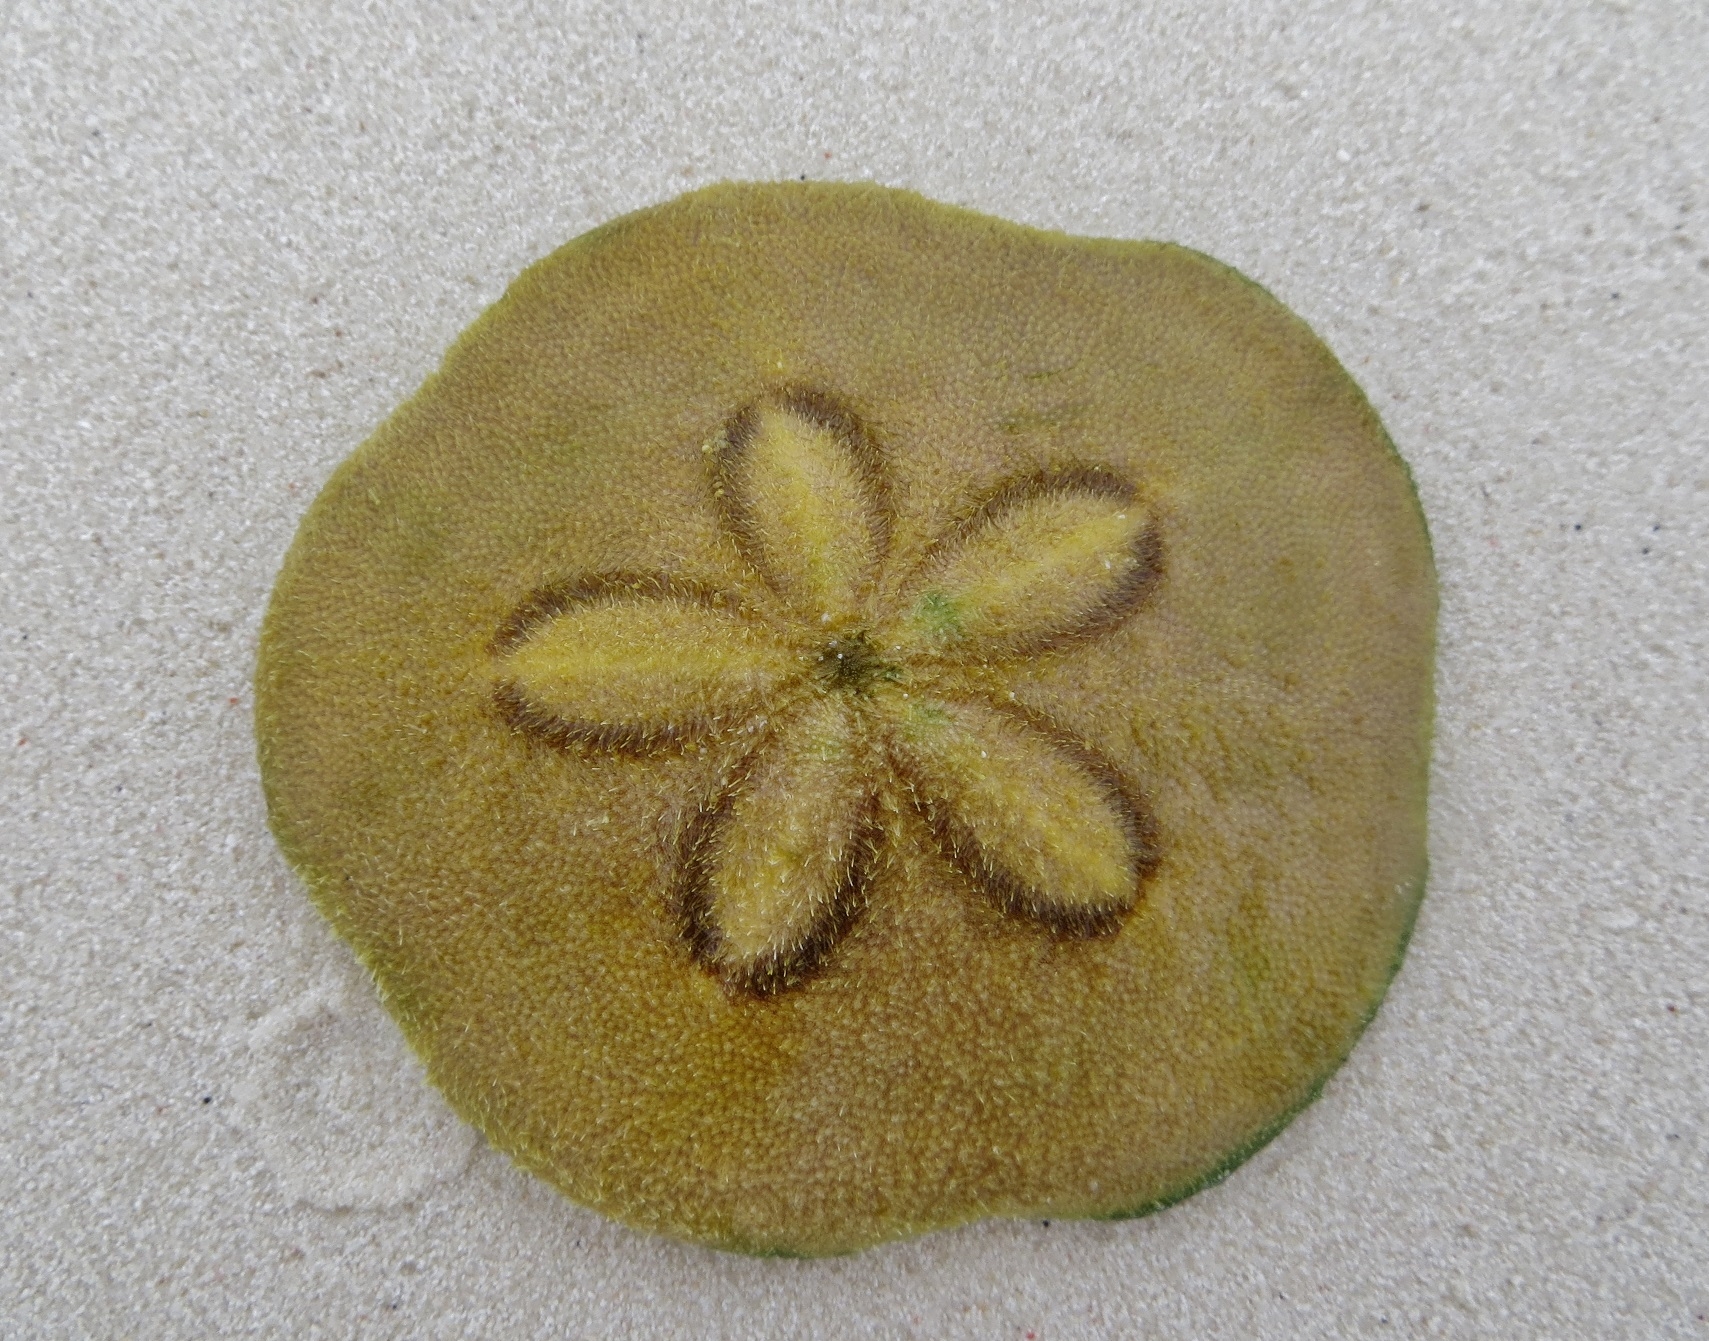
{"points": [[832, 716]]}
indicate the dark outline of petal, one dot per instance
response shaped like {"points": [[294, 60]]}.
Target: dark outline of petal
{"points": [[958, 845], [827, 412], [1122, 601], [563, 733], [692, 904], [546, 602]]}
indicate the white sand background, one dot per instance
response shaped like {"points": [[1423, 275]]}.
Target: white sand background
{"points": [[234, 236]]}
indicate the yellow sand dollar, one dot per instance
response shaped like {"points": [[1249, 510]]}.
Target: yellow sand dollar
{"points": [[831, 716]]}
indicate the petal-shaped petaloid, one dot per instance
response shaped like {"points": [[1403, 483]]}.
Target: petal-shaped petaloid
{"points": [[774, 871], [802, 490], [1039, 821], [629, 662], [1048, 557]]}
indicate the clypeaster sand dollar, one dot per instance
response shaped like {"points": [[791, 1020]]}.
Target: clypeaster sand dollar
{"points": [[831, 716]]}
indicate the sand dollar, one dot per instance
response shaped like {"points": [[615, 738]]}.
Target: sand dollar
{"points": [[831, 716]]}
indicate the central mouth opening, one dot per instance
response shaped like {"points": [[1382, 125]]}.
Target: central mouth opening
{"points": [[849, 662]]}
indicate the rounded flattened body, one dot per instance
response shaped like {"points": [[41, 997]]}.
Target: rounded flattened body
{"points": [[830, 716]]}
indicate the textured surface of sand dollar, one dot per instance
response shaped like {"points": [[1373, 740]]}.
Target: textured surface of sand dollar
{"points": [[832, 716]]}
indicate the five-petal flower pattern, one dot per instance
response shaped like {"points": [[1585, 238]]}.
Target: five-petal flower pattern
{"points": [[852, 696]]}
